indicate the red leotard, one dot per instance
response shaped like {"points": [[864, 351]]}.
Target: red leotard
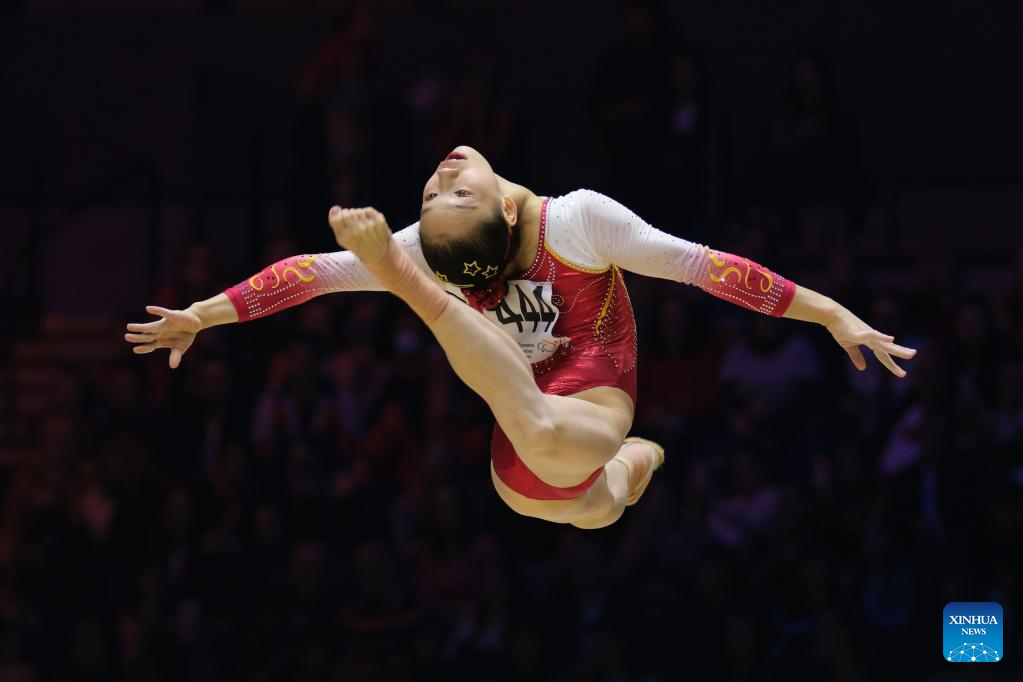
{"points": [[597, 320]]}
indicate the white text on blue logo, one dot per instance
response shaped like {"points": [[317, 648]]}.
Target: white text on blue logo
{"points": [[973, 620]]}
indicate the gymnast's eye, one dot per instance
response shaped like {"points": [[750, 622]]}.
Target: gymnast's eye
{"points": [[463, 193], [429, 196]]}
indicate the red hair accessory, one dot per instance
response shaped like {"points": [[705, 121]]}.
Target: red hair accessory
{"points": [[490, 297]]}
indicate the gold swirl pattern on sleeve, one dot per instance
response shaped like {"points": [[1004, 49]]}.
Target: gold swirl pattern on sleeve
{"points": [[724, 276], [277, 278], [256, 281], [766, 282], [302, 264]]}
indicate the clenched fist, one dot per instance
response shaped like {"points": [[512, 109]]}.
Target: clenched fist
{"points": [[363, 231]]}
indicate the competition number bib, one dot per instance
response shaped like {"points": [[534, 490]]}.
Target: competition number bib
{"points": [[528, 315]]}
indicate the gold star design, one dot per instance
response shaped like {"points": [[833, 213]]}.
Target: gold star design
{"points": [[472, 269], [490, 271], [441, 276]]}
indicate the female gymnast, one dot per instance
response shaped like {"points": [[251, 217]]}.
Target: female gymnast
{"points": [[525, 295]]}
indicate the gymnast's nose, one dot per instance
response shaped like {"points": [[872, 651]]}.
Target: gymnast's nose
{"points": [[447, 176]]}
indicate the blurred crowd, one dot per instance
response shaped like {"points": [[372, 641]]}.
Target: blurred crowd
{"points": [[308, 496]]}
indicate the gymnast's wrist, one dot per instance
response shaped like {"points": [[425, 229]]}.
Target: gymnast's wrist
{"points": [[219, 309], [831, 312], [214, 311], [196, 309]]}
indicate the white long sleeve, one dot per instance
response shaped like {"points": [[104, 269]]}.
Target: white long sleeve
{"points": [[593, 232]]}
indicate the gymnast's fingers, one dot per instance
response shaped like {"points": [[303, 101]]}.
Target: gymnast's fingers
{"points": [[145, 327], [157, 310], [897, 350], [856, 355], [139, 338], [887, 361]]}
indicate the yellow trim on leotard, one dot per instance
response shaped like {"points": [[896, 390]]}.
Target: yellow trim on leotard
{"points": [[569, 264], [607, 300]]}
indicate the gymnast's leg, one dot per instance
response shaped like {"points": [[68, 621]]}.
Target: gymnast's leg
{"points": [[583, 435], [625, 479], [561, 439], [622, 483]]}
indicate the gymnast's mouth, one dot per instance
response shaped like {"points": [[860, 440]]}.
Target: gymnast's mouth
{"points": [[455, 156]]}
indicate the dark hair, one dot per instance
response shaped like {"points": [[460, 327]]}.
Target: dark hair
{"points": [[477, 260]]}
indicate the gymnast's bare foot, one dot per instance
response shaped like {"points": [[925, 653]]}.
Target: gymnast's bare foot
{"points": [[363, 231]]}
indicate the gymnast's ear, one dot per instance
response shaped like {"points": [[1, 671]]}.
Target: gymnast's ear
{"points": [[509, 210]]}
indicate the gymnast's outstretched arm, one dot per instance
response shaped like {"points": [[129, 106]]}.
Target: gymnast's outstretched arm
{"points": [[612, 234], [282, 285]]}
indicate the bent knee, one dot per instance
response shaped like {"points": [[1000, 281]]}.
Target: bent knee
{"points": [[539, 435]]}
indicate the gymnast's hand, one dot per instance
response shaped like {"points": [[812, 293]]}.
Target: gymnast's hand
{"points": [[176, 329], [851, 332], [363, 231]]}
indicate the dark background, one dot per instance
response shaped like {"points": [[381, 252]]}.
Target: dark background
{"points": [[307, 497]]}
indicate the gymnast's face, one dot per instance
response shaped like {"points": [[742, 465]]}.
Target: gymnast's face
{"points": [[461, 193]]}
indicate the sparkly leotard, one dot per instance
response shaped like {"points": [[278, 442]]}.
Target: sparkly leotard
{"points": [[569, 312], [591, 343]]}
